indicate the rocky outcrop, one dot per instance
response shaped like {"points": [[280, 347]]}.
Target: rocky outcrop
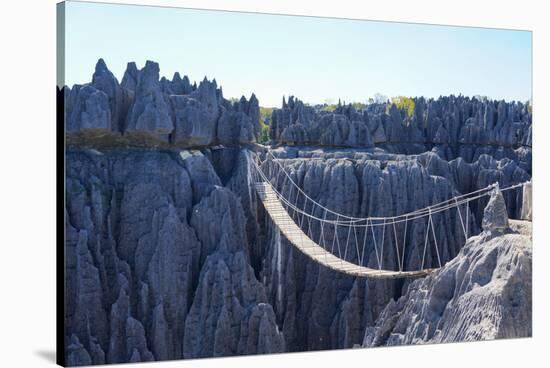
{"points": [[293, 112], [150, 112], [370, 183], [238, 122], [229, 314], [98, 107], [463, 176], [484, 293], [103, 80], [527, 205], [88, 110], [144, 108], [196, 114], [170, 255], [147, 232], [130, 77], [328, 316], [495, 217], [453, 126], [481, 173]]}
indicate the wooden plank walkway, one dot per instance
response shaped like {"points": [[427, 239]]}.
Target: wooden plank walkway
{"points": [[300, 240]]}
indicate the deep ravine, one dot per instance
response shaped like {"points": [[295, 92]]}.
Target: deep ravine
{"points": [[169, 253]]}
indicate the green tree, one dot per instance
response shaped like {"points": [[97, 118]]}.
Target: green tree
{"points": [[403, 103], [265, 120], [329, 108]]}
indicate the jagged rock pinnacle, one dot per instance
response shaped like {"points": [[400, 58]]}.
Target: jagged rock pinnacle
{"points": [[495, 216]]}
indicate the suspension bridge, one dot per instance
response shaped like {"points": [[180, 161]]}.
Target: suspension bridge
{"points": [[339, 241]]}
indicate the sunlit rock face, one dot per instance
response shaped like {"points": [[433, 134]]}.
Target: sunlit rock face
{"points": [[482, 294], [158, 261], [170, 254], [371, 182], [495, 216], [150, 112], [527, 205], [146, 109], [453, 126], [173, 246]]}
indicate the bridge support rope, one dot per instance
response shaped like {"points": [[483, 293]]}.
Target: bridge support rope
{"points": [[291, 216]]}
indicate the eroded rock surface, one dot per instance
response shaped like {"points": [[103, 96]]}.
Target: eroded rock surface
{"points": [[167, 250], [170, 255], [453, 126], [484, 293], [154, 110], [147, 232]]}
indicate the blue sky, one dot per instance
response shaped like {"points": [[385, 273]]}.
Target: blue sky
{"points": [[315, 59]]}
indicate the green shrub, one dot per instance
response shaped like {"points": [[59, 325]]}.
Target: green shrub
{"points": [[264, 133], [265, 119], [329, 107], [403, 103]]}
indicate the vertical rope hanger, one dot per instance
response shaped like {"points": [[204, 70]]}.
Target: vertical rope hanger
{"points": [[375, 246], [461, 221], [444, 205], [425, 242], [334, 235], [435, 241], [364, 242], [396, 248], [347, 242], [361, 223], [467, 214], [382, 250], [309, 224], [404, 243], [356, 242], [338, 244], [322, 237]]}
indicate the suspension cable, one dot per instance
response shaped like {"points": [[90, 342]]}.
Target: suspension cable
{"points": [[376, 221]]}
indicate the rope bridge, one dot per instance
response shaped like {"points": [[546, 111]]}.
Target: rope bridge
{"points": [[339, 241]]}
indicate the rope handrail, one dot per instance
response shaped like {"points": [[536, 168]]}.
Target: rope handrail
{"points": [[360, 219], [387, 220], [294, 216]]}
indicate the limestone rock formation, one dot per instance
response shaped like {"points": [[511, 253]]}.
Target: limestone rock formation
{"points": [[239, 122], [370, 183], [192, 126], [484, 293], [130, 78], [364, 189], [456, 126], [229, 315], [527, 205], [201, 172], [196, 114], [139, 243], [294, 133], [144, 108], [89, 110], [495, 217], [170, 255], [103, 80], [150, 112], [292, 112], [182, 239]]}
